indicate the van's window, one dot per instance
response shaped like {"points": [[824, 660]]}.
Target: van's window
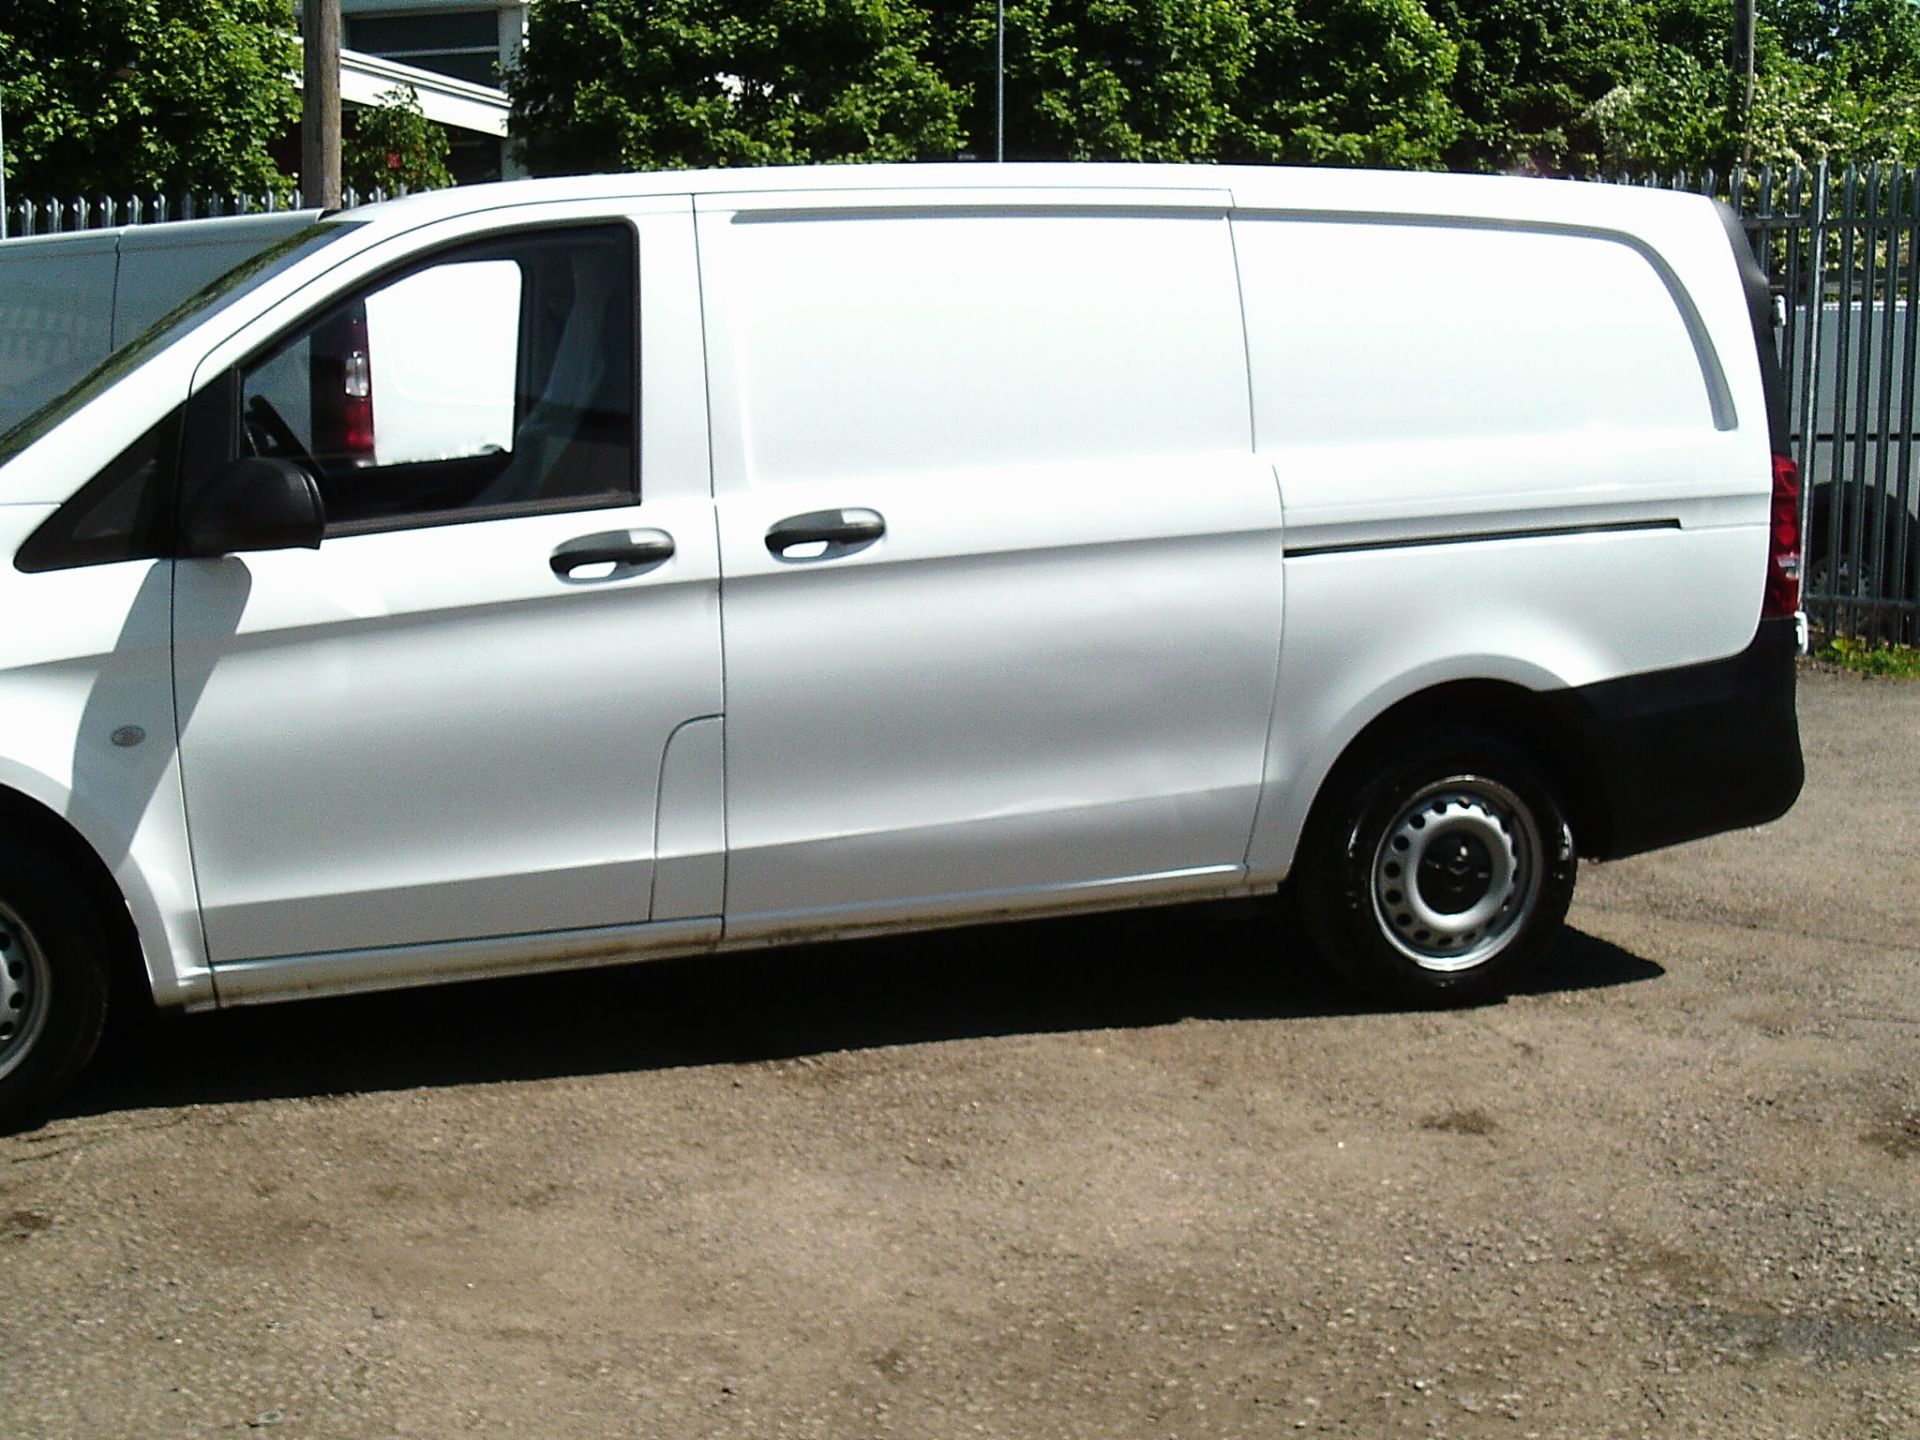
{"points": [[1377, 333], [903, 343], [493, 380], [123, 513]]}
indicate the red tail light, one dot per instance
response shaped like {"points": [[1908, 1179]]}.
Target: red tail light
{"points": [[357, 394], [1782, 595]]}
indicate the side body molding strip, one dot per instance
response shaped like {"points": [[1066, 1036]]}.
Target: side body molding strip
{"points": [[1476, 537]]}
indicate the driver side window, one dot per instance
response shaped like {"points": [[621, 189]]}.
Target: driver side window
{"points": [[492, 380]]}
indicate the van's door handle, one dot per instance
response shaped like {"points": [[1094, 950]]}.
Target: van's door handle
{"points": [[841, 532], [628, 551]]}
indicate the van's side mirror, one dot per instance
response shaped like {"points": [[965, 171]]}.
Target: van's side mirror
{"points": [[254, 503]]}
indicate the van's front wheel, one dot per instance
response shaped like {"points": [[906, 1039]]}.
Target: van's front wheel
{"points": [[1440, 874], [53, 983]]}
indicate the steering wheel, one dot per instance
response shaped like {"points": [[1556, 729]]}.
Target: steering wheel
{"points": [[269, 434]]}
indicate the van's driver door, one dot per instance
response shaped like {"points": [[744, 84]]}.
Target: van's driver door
{"points": [[451, 719]]}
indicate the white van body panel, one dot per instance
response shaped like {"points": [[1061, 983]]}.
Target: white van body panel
{"points": [[86, 684], [449, 663], [1371, 629], [1110, 416], [443, 664], [260, 652], [1517, 509], [1056, 666]]}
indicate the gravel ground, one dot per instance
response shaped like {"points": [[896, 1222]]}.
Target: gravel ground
{"points": [[1106, 1178]]}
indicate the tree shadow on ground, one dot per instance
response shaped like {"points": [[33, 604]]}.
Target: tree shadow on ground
{"points": [[1130, 970]]}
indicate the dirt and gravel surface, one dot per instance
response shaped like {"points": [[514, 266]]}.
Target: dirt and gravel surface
{"points": [[1109, 1178]]}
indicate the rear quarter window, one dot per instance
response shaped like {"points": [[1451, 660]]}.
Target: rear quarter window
{"points": [[1367, 332]]}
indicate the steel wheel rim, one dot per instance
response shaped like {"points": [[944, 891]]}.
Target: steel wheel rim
{"points": [[1860, 582], [25, 983], [1456, 873]]}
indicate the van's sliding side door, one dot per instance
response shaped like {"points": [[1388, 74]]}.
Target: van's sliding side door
{"points": [[1002, 581]]}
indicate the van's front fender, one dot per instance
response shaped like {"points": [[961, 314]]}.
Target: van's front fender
{"points": [[86, 686]]}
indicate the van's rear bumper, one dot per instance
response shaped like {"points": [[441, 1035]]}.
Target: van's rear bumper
{"points": [[1679, 754]]}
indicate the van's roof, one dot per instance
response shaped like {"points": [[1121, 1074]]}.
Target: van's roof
{"points": [[1249, 187]]}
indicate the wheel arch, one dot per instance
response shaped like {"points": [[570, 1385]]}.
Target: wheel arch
{"points": [[1543, 725], [128, 967]]}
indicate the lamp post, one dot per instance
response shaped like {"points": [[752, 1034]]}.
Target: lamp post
{"points": [[1743, 36], [1000, 84], [3, 162]]}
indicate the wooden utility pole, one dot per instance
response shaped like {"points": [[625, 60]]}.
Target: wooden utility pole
{"points": [[320, 105], [1743, 75]]}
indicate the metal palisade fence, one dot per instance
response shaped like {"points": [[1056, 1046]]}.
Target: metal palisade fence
{"points": [[1842, 251], [61, 217]]}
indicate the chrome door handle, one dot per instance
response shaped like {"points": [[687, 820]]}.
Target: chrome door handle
{"points": [[839, 532], [627, 551]]}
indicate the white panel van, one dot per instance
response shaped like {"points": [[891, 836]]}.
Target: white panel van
{"points": [[571, 572], [68, 301]]}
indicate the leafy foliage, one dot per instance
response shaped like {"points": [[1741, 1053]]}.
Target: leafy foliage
{"points": [[117, 96], [1348, 82], [1899, 662], [1836, 80], [1099, 80], [649, 84], [696, 82], [1529, 74], [393, 146], [122, 95]]}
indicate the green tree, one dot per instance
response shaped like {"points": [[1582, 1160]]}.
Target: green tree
{"points": [[393, 146], [1836, 80], [1875, 44], [1333, 81], [1101, 80], [1530, 72], [123, 96], [655, 84], [1347, 82]]}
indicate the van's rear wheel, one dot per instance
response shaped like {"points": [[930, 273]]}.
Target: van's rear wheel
{"points": [[53, 983], [1440, 873]]}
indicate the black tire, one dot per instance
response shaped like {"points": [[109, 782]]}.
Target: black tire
{"points": [[53, 983], [1436, 871], [1885, 570]]}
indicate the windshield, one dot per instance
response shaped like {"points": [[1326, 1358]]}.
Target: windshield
{"points": [[206, 302]]}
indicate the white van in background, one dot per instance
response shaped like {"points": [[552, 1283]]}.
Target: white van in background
{"points": [[68, 301], [587, 570]]}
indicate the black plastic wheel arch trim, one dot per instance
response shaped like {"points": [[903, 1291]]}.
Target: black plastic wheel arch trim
{"points": [[1681, 754]]}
